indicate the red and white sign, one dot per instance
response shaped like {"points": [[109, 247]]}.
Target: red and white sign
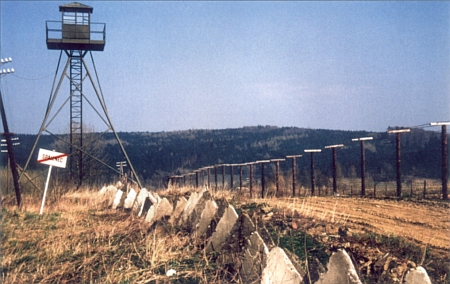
{"points": [[52, 158]]}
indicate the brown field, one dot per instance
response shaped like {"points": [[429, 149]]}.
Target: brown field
{"points": [[426, 223]]}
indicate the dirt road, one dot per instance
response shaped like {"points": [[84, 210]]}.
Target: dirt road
{"points": [[424, 222]]}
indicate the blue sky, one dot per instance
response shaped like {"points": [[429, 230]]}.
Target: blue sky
{"points": [[212, 65]]}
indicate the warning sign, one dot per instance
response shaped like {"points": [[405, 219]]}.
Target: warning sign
{"points": [[52, 158]]}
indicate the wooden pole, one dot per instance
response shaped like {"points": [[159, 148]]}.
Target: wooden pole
{"points": [[263, 182], [215, 176], [313, 179], [294, 172], [223, 176], [363, 163], [444, 163], [251, 180], [363, 170], [398, 160]]}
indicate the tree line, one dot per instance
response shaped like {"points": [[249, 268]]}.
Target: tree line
{"points": [[156, 155]]}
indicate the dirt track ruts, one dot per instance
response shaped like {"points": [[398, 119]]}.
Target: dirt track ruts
{"points": [[426, 223]]}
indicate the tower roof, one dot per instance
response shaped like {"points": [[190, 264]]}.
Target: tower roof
{"points": [[75, 7]]}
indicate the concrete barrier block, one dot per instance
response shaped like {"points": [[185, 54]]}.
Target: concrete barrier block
{"points": [[206, 216], [280, 270], [190, 205], [340, 269], [158, 211], [140, 199], [150, 214], [237, 240], [194, 207], [102, 190], [109, 193], [145, 206], [129, 201], [223, 229], [417, 275], [117, 199], [180, 205], [254, 259], [163, 209], [153, 196]]}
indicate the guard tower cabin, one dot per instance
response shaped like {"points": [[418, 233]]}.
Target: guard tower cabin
{"points": [[75, 31]]}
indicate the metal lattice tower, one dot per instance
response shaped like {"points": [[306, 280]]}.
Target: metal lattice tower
{"points": [[76, 113], [77, 36]]}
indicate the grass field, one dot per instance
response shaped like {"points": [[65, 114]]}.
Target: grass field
{"points": [[79, 239]]}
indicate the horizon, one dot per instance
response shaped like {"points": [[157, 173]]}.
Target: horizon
{"points": [[424, 127]]}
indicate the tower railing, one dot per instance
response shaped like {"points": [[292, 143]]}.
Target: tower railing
{"points": [[95, 33]]}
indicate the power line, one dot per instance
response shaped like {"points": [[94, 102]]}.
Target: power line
{"points": [[34, 79]]}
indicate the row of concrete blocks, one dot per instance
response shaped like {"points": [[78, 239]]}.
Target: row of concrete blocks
{"points": [[237, 237]]}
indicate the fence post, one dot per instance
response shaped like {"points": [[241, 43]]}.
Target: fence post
{"points": [[313, 180], [196, 178], [363, 163], [209, 177], [223, 176], [277, 175], [444, 159], [203, 176], [424, 188], [444, 163], [240, 178], [263, 183], [398, 160], [231, 176], [215, 176], [333, 148], [294, 171], [251, 180]]}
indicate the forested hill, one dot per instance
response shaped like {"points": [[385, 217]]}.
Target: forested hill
{"points": [[156, 155]]}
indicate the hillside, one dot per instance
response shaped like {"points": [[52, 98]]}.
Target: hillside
{"points": [[158, 155]]}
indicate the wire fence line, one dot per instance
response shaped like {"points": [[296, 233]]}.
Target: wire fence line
{"points": [[270, 181]]}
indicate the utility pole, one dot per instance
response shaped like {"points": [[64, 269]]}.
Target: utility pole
{"points": [[363, 163], [121, 165], [398, 161], [444, 158], [7, 134], [8, 163], [313, 179], [333, 147]]}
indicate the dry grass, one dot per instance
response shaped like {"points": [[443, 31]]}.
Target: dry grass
{"points": [[78, 240]]}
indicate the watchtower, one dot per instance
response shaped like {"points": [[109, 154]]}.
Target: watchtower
{"points": [[76, 35], [75, 31]]}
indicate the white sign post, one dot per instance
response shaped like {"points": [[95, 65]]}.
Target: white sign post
{"points": [[50, 158]]}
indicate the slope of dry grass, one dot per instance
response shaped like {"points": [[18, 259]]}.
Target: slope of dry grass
{"points": [[78, 240]]}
